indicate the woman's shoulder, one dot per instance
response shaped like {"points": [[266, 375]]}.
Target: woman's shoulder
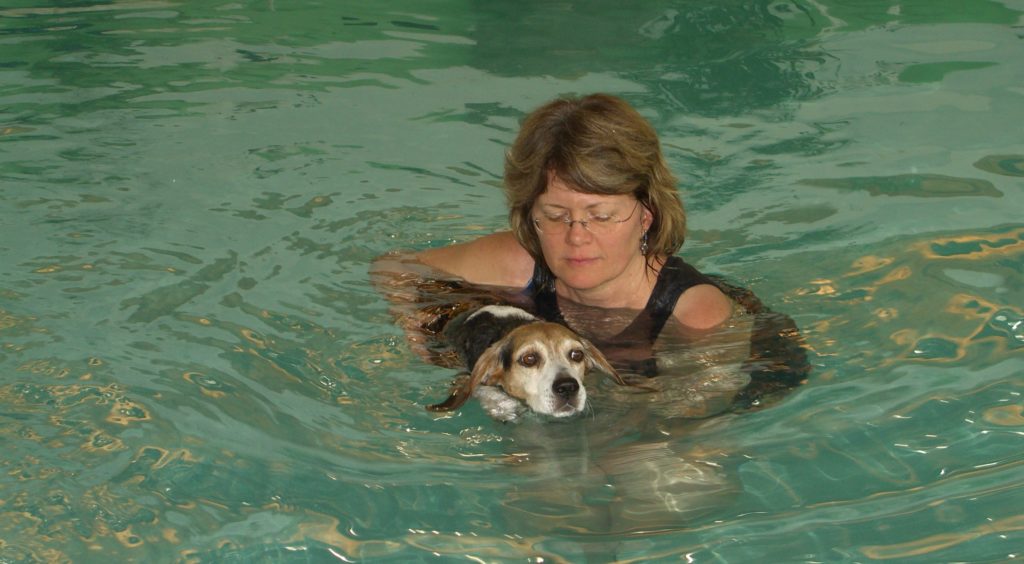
{"points": [[703, 306], [494, 260]]}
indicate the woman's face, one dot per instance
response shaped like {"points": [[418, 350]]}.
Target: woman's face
{"points": [[583, 258]]}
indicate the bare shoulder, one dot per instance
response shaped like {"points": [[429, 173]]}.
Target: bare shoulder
{"points": [[703, 306], [497, 260]]}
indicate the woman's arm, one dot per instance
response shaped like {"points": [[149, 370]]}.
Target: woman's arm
{"points": [[491, 260], [703, 358], [425, 289]]}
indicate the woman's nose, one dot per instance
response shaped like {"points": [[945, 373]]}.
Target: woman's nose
{"points": [[578, 233]]}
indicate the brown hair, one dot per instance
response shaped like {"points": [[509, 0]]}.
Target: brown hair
{"points": [[598, 144]]}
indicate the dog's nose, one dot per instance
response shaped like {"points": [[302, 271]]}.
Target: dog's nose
{"points": [[565, 387]]}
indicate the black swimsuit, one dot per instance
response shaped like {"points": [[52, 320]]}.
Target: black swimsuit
{"points": [[676, 277], [778, 359]]}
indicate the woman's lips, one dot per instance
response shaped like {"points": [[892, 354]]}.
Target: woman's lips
{"points": [[581, 261]]}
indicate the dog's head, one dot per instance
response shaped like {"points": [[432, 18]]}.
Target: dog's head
{"points": [[541, 364]]}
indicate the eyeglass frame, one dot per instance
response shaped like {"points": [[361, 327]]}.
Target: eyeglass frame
{"points": [[583, 222]]}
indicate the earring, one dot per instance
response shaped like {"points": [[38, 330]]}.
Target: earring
{"points": [[643, 244]]}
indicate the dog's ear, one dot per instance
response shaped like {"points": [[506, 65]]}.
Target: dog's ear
{"points": [[459, 394], [491, 366], [489, 369], [597, 360]]}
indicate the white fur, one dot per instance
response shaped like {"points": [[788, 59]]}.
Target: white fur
{"points": [[498, 404], [502, 311]]}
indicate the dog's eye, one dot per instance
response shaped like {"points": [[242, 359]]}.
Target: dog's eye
{"points": [[576, 355], [528, 359]]}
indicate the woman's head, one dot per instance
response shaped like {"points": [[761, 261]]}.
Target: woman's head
{"points": [[597, 144]]}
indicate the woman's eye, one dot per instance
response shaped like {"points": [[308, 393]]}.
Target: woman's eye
{"points": [[528, 359], [576, 355], [600, 218]]}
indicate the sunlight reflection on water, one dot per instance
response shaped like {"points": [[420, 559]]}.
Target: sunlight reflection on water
{"points": [[196, 368]]}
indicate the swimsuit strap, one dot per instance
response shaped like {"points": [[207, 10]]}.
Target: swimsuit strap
{"points": [[676, 277], [542, 289]]}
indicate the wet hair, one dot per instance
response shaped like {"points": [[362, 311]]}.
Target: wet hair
{"points": [[597, 144]]}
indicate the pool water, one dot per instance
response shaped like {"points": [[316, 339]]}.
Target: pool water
{"points": [[194, 366]]}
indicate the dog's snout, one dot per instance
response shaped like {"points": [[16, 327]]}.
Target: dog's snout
{"points": [[565, 387]]}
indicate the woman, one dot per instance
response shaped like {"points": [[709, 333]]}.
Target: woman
{"points": [[596, 222]]}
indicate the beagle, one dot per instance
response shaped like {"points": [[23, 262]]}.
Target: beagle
{"points": [[515, 359]]}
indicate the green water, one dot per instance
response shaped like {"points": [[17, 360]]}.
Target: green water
{"points": [[194, 367]]}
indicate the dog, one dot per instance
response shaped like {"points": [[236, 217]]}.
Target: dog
{"points": [[515, 360]]}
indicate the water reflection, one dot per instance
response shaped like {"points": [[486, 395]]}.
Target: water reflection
{"points": [[1005, 165], [604, 477], [196, 369], [911, 185], [947, 298], [693, 58]]}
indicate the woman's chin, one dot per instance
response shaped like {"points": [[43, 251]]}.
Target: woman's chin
{"points": [[580, 281]]}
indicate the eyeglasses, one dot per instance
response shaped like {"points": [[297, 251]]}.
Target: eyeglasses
{"points": [[596, 223]]}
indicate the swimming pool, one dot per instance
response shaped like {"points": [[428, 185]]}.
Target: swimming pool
{"points": [[195, 367]]}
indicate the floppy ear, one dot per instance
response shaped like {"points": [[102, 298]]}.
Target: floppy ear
{"points": [[489, 368], [597, 360], [459, 394]]}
